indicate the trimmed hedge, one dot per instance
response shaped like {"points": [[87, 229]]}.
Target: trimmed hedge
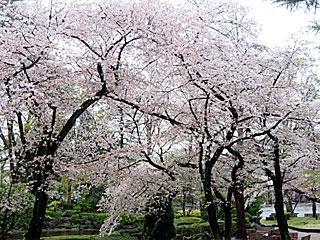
{"points": [[193, 229], [188, 220]]}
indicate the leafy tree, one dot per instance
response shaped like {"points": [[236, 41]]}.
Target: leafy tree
{"points": [[308, 4], [298, 3]]}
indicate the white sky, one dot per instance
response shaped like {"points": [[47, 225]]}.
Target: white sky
{"points": [[279, 23]]}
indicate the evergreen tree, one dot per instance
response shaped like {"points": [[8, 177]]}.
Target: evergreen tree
{"points": [[299, 3]]}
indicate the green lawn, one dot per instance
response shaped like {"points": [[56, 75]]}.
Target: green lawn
{"points": [[93, 237], [301, 222], [116, 235], [96, 236]]}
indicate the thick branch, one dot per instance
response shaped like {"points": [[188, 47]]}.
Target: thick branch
{"points": [[72, 120], [170, 174], [21, 130], [137, 107]]}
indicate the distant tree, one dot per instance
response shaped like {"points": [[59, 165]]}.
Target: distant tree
{"points": [[298, 3]]}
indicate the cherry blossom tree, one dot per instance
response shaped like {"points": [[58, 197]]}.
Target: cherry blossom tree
{"points": [[53, 71], [116, 88], [214, 93], [285, 147]]}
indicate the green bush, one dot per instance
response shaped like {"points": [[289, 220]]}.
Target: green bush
{"points": [[193, 229], [272, 216], [22, 220], [233, 226], [53, 214], [254, 208], [76, 218], [69, 213], [94, 217], [248, 219], [128, 219], [287, 215], [187, 220], [84, 216], [16, 206], [177, 214]]}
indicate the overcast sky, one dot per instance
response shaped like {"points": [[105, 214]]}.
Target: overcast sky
{"points": [[278, 23]]}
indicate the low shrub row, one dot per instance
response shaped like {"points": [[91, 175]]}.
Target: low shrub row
{"points": [[187, 227]]}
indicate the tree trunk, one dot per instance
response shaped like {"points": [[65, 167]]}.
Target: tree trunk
{"points": [[277, 179], [39, 212], [314, 210], [289, 205], [159, 222], [241, 217], [281, 218], [184, 202], [211, 206], [227, 221]]}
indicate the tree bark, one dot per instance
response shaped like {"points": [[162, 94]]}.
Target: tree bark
{"points": [[39, 212], [211, 206], [277, 179], [184, 200], [46, 150], [159, 221], [236, 189], [241, 217], [281, 218], [227, 221], [205, 174], [314, 210]]}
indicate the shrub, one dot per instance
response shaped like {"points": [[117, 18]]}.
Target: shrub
{"points": [[272, 216], [254, 208], [233, 226], [193, 229], [52, 214], [69, 213], [287, 215], [15, 206], [188, 220], [93, 217]]}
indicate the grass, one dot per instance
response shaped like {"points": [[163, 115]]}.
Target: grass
{"points": [[93, 237], [301, 222], [116, 235]]}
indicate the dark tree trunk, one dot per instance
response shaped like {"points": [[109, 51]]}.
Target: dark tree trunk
{"points": [[159, 222], [184, 202], [314, 210], [277, 179], [40, 176], [205, 174], [211, 206], [227, 221], [279, 208], [241, 217], [236, 189], [39, 212]]}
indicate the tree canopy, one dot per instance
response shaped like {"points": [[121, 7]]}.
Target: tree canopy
{"points": [[148, 99]]}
